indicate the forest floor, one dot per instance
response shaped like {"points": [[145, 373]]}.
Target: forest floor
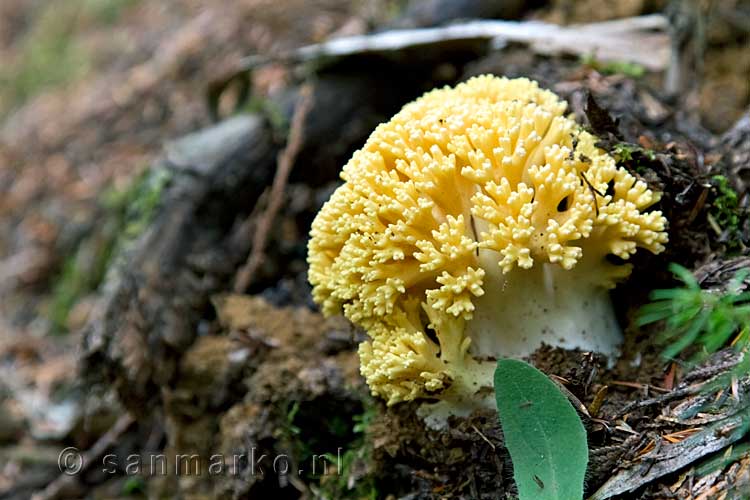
{"points": [[153, 290]]}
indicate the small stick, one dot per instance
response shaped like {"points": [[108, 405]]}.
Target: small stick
{"points": [[56, 487], [483, 436], [594, 192], [285, 162]]}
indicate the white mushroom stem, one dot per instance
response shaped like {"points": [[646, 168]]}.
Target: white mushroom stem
{"points": [[525, 308], [520, 311]]}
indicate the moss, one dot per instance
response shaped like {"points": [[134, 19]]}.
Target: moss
{"points": [[625, 152], [308, 427], [724, 208], [134, 485], [337, 486], [72, 284], [127, 213], [137, 203], [272, 112], [355, 480], [630, 69]]}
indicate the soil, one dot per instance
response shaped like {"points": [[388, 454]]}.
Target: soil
{"points": [[126, 213]]}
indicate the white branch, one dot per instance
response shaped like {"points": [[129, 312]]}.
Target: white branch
{"points": [[641, 40]]}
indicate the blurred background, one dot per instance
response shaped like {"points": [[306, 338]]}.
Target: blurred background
{"points": [[92, 90]]}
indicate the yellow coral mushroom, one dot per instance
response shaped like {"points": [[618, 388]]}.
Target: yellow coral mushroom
{"points": [[476, 224]]}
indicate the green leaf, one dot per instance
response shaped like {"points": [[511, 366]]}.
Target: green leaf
{"points": [[543, 433]]}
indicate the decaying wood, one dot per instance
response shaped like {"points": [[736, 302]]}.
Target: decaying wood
{"points": [[640, 40], [715, 275], [714, 421], [687, 30], [735, 150], [156, 294], [669, 458], [153, 298]]}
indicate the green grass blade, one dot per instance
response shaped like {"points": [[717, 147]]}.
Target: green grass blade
{"points": [[685, 316], [721, 331], [685, 276], [664, 293], [651, 313], [687, 338], [675, 295], [543, 433]]}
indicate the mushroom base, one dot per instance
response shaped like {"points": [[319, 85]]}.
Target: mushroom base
{"points": [[520, 311], [525, 308], [470, 390]]}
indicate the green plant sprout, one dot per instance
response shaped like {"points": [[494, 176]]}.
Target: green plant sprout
{"points": [[724, 208], [701, 318], [623, 152], [626, 68], [340, 485]]}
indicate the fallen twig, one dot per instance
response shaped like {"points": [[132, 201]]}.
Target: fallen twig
{"points": [[285, 163], [65, 480], [483, 437], [669, 458], [663, 398]]}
